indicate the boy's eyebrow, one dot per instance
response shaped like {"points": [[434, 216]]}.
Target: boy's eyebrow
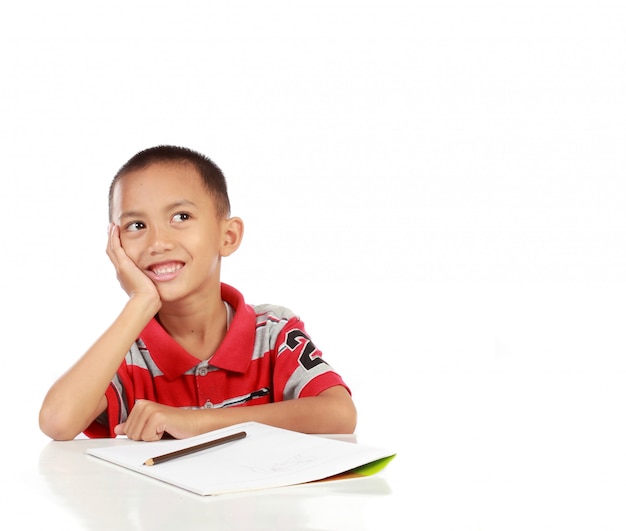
{"points": [[171, 206]]}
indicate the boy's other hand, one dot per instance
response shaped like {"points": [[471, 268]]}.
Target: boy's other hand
{"points": [[149, 421], [133, 281]]}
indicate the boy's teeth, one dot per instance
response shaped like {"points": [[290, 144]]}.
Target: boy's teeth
{"points": [[166, 270]]}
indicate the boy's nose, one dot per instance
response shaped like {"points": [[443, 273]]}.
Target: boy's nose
{"points": [[160, 240]]}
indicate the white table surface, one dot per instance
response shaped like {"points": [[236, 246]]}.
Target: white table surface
{"points": [[66, 489]]}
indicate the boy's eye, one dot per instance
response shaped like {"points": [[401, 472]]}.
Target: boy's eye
{"points": [[181, 216], [135, 225]]}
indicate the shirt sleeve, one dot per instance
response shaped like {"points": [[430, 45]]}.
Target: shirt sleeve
{"points": [[116, 411], [104, 425], [300, 370]]}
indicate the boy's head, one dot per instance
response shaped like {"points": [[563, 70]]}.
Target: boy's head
{"points": [[212, 177]]}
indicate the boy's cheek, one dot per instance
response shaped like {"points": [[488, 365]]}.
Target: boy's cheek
{"points": [[130, 248], [127, 241]]}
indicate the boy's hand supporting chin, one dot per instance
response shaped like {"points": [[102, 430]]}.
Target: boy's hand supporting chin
{"points": [[133, 281]]}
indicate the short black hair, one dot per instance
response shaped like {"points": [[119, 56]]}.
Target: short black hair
{"points": [[211, 175]]}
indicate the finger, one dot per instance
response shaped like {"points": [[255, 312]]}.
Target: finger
{"points": [[152, 430], [160, 430], [145, 422], [132, 426], [110, 243], [114, 245]]}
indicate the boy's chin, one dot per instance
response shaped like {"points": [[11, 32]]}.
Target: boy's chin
{"points": [[169, 296]]}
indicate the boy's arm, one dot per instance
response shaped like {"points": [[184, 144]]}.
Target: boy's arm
{"points": [[78, 397], [332, 411]]}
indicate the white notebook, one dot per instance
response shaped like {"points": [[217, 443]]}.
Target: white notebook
{"points": [[266, 457]]}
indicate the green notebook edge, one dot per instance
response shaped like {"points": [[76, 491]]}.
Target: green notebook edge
{"points": [[374, 467]]}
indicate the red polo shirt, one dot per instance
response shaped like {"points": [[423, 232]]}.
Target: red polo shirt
{"points": [[266, 356]]}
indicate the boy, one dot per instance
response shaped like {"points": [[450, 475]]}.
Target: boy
{"points": [[186, 348]]}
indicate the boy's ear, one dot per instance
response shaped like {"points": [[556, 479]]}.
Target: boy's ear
{"points": [[232, 235]]}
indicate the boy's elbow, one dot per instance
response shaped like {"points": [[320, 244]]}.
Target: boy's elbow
{"points": [[344, 414], [348, 418], [53, 425]]}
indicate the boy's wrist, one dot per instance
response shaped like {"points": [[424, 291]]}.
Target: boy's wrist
{"points": [[145, 305]]}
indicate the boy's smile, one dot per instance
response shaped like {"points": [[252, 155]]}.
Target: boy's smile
{"points": [[164, 271], [170, 229]]}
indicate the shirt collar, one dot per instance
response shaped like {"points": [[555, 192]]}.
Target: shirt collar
{"points": [[233, 354]]}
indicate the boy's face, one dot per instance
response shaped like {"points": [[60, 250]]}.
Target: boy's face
{"points": [[169, 228]]}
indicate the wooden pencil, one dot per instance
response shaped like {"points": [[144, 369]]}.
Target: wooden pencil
{"points": [[194, 449]]}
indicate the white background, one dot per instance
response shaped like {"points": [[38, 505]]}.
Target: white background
{"points": [[437, 188]]}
